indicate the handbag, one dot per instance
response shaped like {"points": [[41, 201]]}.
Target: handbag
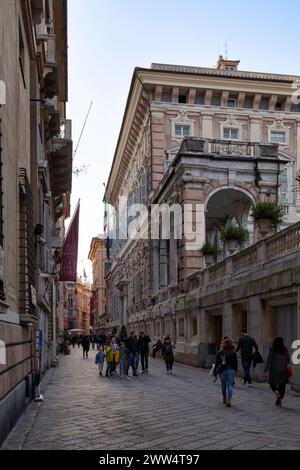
{"points": [[290, 371]]}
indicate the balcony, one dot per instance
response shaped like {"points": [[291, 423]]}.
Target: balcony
{"points": [[229, 148], [61, 160], [49, 41]]}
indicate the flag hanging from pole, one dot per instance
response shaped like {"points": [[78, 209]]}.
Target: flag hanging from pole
{"points": [[68, 267]]}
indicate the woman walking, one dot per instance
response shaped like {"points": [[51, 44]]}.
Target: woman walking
{"points": [[226, 366], [277, 366], [168, 354], [86, 346]]}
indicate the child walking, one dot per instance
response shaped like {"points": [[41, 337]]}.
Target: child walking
{"points": [[123, 360], [99, 359], [109, 359]]}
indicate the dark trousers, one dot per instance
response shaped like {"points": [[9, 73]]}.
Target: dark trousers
{"points": [[85, 352], [144, 360], [169, 364], [280, 388], [109, 369], [246, 363]]}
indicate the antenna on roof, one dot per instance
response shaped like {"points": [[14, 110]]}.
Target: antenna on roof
{"points": [[82, 130], [226, 51]]}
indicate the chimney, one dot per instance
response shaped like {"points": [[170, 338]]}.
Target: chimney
{"points": [[225, 64]]}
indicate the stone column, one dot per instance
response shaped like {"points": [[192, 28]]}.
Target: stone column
{"points": [[155, 266], [227, 320], [173, 262], [207, 125], [163, 264], [255, 129]]}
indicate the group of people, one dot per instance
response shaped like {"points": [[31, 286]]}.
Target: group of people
{"points": [[129, 352], [85, 341], [276, 369]]}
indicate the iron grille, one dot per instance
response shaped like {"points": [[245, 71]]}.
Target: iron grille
{"points": [[26, 246]]}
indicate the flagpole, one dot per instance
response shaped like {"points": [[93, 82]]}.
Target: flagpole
{"points": [[70, 224]]}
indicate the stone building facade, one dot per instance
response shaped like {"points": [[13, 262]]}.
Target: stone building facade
{"points": [[83, 298], [36, 174], [97, 256], [217, 137]]}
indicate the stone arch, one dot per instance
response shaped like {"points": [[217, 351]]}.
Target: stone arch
{"points": [[227, 203]]}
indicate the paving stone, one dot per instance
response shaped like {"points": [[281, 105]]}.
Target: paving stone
{"points": [[183, 411]]}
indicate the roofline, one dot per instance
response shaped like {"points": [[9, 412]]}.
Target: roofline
{"points": [[133, 79], [232, 74]]}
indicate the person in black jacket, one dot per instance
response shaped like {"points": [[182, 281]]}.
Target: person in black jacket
{"points": [[246, 345], [226, 366], [143, 348], [86, 346], [277, 367], [132, 346]]}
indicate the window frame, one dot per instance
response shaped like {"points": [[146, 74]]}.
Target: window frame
{"points": [[230, 129]]}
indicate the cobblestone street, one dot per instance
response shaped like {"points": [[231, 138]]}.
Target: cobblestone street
{"points": [[182, 411]]}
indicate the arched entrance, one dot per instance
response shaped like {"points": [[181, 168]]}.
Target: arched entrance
{"points": [[227, 205]]}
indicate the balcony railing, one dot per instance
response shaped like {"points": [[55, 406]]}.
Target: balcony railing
{"points": [[282, 243], [229, 148]]}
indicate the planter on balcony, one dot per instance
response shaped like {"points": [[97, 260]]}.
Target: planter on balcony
{"points": [[232, 245], [265, 226], [233, 236], [209, 259]]}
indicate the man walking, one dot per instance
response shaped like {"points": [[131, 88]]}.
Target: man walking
{"points": [[132, 346], [246, 345], [143, 348]]}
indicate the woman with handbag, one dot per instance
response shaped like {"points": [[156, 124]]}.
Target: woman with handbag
{"points": [[279, 368], [226, 366]]}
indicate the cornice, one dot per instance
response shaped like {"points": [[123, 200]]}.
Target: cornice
{"points": [[218, 82], [28, 24]]}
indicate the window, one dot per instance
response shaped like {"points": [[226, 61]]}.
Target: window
{"points": [[278, 137], [232, 134], [231, 103], [166, 97], [181, 327], [194, 327], [199, 98], [182, 99], [182, 130]]}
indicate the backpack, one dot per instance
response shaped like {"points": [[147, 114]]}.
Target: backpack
{"points": [[168, 348]]}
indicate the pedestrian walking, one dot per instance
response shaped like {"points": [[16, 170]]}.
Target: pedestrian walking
{"points": [[123, 360], [278, 366], [226, 366], [132, 346], [143, 348], [85, 346], [102, 340], [157, 346], [78, 341], [168, 353], [73, 341], [99, 360], [109, 359], [94, 341], [246, 345]]}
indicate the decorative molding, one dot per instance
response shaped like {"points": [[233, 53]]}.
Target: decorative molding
{"points": [[230, 123], [278, 126], [182, 119]]}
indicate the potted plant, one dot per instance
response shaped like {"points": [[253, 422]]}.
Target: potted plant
{"points": [[210, 253], [233, 236], [267, 215]]}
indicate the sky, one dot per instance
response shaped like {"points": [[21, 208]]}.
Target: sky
{"points": [[108, 39]]}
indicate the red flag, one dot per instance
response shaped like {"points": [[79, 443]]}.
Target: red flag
{"points": [[68, 267]]}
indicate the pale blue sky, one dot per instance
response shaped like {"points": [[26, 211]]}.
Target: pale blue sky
{"points": [[107, 39]]}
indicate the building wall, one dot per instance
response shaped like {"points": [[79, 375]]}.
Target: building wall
{"points": [[28, 311], [173, 98]]}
